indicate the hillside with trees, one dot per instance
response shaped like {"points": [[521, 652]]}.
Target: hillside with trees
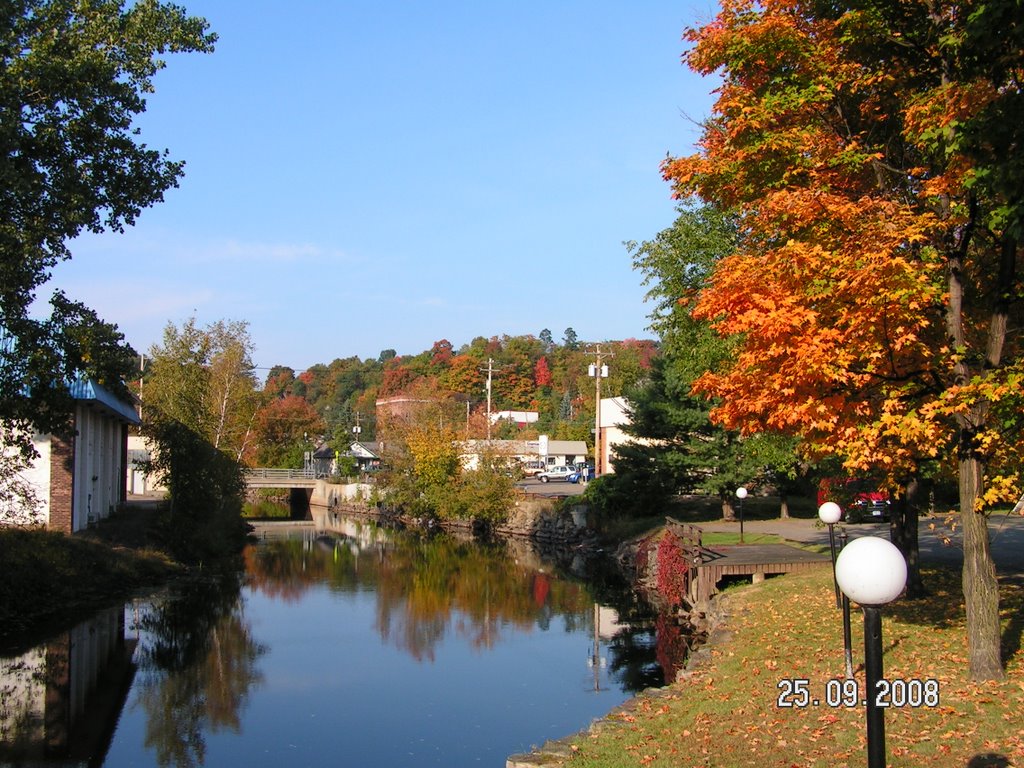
{"points": [[334, 403]]}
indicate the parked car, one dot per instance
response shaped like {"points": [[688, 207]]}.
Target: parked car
{"points": [[533, 467], [860, 498], [867, 509], [582, 471], [555, 473]]}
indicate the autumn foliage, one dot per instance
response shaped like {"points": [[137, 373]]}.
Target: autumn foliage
{"points": [[725, 711], [864, 150]]}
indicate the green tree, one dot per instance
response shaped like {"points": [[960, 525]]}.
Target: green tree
{"points": [[546, 339], [204, 378], [677, 447], [569, 339], [72, 343], [199, 402], [72, 80], [233, 388]]}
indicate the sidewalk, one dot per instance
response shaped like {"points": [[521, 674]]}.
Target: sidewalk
{"points": [[1006, 535]]}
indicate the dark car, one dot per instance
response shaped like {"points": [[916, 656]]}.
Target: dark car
{"points": [[864, 509]]}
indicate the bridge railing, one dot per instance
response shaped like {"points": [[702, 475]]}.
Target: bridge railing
{"points": [[269, 473]]}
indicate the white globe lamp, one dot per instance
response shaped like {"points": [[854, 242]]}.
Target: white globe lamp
{"points": [[830, 512], [741, 494], [871, 571]]}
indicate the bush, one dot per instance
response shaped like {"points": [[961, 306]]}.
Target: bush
{"points": [[203, 519]]}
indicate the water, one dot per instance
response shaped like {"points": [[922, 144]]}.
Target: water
{"points": [[343, 645]]}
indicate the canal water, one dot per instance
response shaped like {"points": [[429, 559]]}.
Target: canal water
{"points": [[341, 644]]}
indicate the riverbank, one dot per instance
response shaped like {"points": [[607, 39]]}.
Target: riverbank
{"points": [[50, 579], [725, 710]]}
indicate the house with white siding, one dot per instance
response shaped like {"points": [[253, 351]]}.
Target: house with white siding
{"points": [[82, 479]]}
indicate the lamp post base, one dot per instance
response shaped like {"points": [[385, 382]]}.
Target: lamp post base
{"points": [[872, 674]]}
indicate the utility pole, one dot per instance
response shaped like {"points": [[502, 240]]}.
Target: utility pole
{"points": [[598, 371], [490, 373], [142, 372], [490, 378], [357, 429]]}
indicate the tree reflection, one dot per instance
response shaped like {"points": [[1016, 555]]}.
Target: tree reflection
{"points": [[429, 587], [200, 659], [426, 586]]}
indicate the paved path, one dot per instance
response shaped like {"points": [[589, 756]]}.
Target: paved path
{"points": [[1006, 534]]}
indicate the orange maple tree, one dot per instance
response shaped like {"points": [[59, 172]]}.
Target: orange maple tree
{"points": [[864, 149]]}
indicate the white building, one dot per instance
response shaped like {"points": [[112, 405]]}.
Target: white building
{"points": [[81, 479], [614, 416], [551, 452], [519, 418]]}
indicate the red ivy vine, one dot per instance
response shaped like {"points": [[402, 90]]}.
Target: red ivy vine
{"points": [[673, 570]]}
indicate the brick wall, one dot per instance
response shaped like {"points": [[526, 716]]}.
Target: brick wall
{"points": [[62, 462]]}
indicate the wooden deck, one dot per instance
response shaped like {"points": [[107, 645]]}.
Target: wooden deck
{"points": [[709, 565], [755, 560]]}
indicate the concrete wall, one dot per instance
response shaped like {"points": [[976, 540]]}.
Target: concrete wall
{"points": [[329, 494], [138, 482], [99, 467], [38, 477]]}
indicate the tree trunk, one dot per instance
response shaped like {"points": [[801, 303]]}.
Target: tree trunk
{"points": [[728, 512], [783, 505], [903, 525], [981, 590]]}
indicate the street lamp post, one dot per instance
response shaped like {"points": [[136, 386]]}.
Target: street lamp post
{"points": [[830, 513], [872, 572], [741, 494]]}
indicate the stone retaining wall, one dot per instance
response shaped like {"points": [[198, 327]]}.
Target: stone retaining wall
{"points": [[536, 518]]}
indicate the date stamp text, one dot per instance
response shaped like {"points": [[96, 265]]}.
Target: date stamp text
{"points": [[796, 693]]}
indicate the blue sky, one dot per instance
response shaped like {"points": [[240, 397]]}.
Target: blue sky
{"points": [[376, 174]]}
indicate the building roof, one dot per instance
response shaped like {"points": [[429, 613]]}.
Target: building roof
{"points": [[504, 447], [365, 450], [559, 447], [92, 392]]}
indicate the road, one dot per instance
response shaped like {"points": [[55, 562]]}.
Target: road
{"points": [[936, 541], [553, 488]]}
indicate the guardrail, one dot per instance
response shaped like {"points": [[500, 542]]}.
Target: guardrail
{"points": [[278, 474], [269, 477]]}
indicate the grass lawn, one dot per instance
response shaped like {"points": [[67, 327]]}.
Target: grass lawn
{"points": [[727, 713], [51, 579], [702, 509]]}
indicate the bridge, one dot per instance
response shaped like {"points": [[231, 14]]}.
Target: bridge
{"points": [[265, 477]]}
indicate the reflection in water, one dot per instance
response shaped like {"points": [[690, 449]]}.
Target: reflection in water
{"points": [[57, 699], [428, 587], [390, 648], [199, 664]]}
